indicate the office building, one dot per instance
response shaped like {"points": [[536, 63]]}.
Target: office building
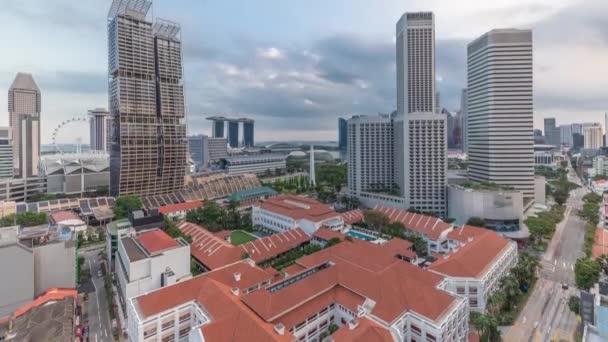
{"points": [[149, 145], [342, 134], [465, 121], [416, 63], [149, 260], [552, 132], [368, 291], [370, 154], [100, 129], [565, 135], [217, 130], [6, 153], [248, 139], [198, 148], [593, 136], [420, 147], [24, 106], [218, 149], [500, 110]]}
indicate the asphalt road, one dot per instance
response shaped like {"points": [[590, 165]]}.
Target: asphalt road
{"points": [[96, 306], [546, 316]]}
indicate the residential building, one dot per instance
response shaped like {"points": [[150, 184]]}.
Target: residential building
{"points": [[149, 145], [370, 154], [593, 136], [500, 109], [211, 251], [258, 164], [6, 153], [198, 147], [552, 133], [24, 106], [474, 267], [285, 212], [75, 172], [149, 260], [600, 166], [415, 34], [179, 210], [349, 285], [100, 129], [342, 134], [218, 149], [420, 163], [465, 120]]}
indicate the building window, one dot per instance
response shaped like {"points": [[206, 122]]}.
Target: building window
{"points": [[473, 302], [460, 290]]}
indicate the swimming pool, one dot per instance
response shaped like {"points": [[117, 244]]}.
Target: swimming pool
{"points": [[360, 235]]}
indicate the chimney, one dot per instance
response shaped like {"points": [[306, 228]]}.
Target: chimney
{"points": [[280, 329], [237, 276], [352, 324], [235, 291]]}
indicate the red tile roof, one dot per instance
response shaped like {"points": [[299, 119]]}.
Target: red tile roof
{"points": [[223, 234], [362, 268], [352, 216], [293, 269], [64, 215], [52, 294], [430, 226], [327, 234], [479, 250], [600, 245], [366, 331], [298, 207], [173, 208], [215, 252], [156, 241]]}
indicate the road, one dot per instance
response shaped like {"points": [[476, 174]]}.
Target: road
{"points": [[96, 306], [546, 316]]}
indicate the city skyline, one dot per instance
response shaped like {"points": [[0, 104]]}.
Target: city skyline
{"points": [[227, 66]]}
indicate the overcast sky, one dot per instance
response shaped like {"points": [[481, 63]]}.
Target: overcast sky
{"points": [[296, 66]]}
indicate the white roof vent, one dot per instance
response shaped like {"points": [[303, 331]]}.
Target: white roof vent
{"points": [[470, 238], [352, 324], [237, 276], [280, 329], [235, 291]]}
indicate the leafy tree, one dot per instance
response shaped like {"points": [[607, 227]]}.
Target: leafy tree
{"points": [[332, 328], [476, 221], [375, 219], [244, 255], [586, 273], [394, 229], [486, 326], [25, 219], [125, 204], [510, 287], [574, 303], [333, 241], [420, 245]]}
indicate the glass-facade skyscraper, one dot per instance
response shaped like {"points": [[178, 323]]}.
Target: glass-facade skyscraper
{"points": [[148, 149]]}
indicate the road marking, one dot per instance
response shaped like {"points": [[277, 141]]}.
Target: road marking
{"points": [[96, 297]]}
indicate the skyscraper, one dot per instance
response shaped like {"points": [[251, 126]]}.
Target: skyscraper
{"points": [[593, 136], [552, 132], [148, 152], [6, 153], [500, 109], [198, 147], [465, 120], [233, 134], [342, 133], [416, 63], [248, 140], [24, 118], [100, 129], [605, 129]]}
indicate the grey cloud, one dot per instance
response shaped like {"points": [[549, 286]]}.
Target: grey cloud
{"points": [[56, 13], [73, 82]]}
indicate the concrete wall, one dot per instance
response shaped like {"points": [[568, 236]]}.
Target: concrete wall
{"points": [[17, 285], [55, 265], [540, 196], [488, 204]]}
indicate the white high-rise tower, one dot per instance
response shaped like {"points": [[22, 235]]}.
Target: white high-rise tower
{"points": [[500, 109]]}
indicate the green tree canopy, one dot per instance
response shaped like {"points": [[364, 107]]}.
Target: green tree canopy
{"points": [[375, 220], [586, 273], [125, 204]]}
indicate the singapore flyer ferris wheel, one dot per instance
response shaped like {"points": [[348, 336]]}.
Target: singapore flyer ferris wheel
{"points": [[72, 129]]}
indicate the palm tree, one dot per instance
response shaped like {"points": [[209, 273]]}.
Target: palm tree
{"points": [[486, 326], [510, 287], [495, 302]]}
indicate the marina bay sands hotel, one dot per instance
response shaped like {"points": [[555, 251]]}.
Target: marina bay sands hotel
{"points": [[233, 130]]}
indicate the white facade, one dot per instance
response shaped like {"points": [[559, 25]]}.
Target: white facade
{"points": [[6, 153], [100, 129], [139, 272], [593, 136], [477, 289], [281, 223], [491, 205], [370, 154], [420, 147], [600, 166], [256, 164], [415, 34], [464, 132]]}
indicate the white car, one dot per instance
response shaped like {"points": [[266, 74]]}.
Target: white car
{"points": [[99, 274]]}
